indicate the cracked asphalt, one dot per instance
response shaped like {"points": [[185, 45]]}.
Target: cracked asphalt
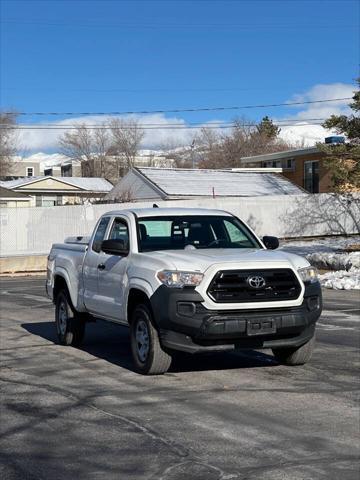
{"points": [[71, 413]]}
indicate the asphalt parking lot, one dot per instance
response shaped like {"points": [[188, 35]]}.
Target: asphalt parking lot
{"points": [[71, 413]]}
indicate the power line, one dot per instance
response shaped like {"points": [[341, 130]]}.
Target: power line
{"points": [[160, 125], [181, 110], [151, 26], [163, 127]]}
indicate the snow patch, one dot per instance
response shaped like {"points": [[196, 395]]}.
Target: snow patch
{"points": [[341, 280], [327, 253], [330, 254]]}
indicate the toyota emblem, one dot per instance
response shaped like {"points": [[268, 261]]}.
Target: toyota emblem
{"points": [[256, 281]]}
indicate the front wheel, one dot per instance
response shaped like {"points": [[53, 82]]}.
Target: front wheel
{"points": [[70, 326], [148, 355], [295, 356]]}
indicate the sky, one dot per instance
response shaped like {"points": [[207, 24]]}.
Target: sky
{"points": [[128, 56]]}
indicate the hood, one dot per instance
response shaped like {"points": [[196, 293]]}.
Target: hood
{"points": [[201, 260]]}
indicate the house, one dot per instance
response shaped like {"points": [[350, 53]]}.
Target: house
{"points": [[303, 166], [142, 184], [25, 168], [67, 168], [58, 165], [55, 165], [48, 191], [11, 199]]}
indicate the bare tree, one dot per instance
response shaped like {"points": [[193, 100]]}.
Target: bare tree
{"points": [[174, 155], [125, 196], [8, 141], [127, 136], [90, 147], [245, 139]]}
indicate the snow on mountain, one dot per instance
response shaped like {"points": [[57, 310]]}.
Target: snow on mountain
{"points": [[304, 134], [45, 159]]}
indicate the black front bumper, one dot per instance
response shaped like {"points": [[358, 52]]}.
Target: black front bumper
{"points": [[185, 324]]}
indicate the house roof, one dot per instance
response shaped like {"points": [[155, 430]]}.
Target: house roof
{"points": [[180, 182], [7, 194], [91, 184], [281, 155]]}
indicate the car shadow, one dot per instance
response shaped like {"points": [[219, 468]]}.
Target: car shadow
{"points": [[110, 342]]}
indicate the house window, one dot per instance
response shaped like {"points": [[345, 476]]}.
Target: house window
{"points": [[48, 200], [272, 164], [29, 171], [289, 164], [48, 172], [66, 170], [311, 176]]}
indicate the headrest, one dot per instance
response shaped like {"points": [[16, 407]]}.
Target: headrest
{"points": [[143, 231]]}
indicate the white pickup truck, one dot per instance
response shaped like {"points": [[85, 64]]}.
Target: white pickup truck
{"points": [[191, 280]]}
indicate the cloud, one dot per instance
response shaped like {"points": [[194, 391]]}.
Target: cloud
{"points": [[163, 135], [306, 132], [325, 91]]}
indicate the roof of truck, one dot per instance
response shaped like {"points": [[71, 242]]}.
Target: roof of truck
{"points": [[164, 212]]}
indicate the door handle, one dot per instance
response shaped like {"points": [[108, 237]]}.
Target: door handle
{"points": [[101, 266]]}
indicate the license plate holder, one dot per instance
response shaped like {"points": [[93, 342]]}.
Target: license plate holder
{"points": [[261, 326]]}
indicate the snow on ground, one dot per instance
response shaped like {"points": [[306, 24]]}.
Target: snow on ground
{"points": [[341, 280], [330, 254]]}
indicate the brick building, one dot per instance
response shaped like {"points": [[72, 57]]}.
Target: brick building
{"points": [[304, 167]]}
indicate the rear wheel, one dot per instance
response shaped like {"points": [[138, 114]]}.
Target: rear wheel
{"points": [[70, 325], [295, 356], [148, 355]]}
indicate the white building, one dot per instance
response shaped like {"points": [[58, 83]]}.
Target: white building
{"points": [[142, 184], [48, 191]]}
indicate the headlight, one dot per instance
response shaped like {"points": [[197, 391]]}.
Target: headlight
{"points": [[178, 279], [308, 274]]}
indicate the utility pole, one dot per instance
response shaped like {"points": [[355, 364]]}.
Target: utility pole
{"points": [[192, 146]]}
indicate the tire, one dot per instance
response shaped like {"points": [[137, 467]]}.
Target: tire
{"points": [[148, 355], [295, 356], [70, 325]]}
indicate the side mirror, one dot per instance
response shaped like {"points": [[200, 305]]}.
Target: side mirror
{"points": [[271, 242], [115, 247]]}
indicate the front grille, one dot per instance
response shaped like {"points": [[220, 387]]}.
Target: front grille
{"points": [[233, 286]]}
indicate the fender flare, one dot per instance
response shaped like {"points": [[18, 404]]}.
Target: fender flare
{"points": [[138, 284], [61, 272]]}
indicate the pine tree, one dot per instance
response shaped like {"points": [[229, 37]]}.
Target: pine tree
{"points": [[343, 160], [268, 129]]}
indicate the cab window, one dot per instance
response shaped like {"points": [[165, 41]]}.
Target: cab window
{"points": [[100, 234], [235, 234], [119, 231]]}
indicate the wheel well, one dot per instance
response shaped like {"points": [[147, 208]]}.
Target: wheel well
{"points": [[135, 297], [59, 284]]}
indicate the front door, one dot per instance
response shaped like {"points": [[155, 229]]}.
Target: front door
{"points": [[91, 267], [112, 277]]}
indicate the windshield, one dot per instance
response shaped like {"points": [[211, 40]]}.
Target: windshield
{"points": [[190, 232]]}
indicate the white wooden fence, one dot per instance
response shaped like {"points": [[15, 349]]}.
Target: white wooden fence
{"points": [[27, 231]]}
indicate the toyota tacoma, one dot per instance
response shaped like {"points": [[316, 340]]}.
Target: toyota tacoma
{"points": [[183, 279]]}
